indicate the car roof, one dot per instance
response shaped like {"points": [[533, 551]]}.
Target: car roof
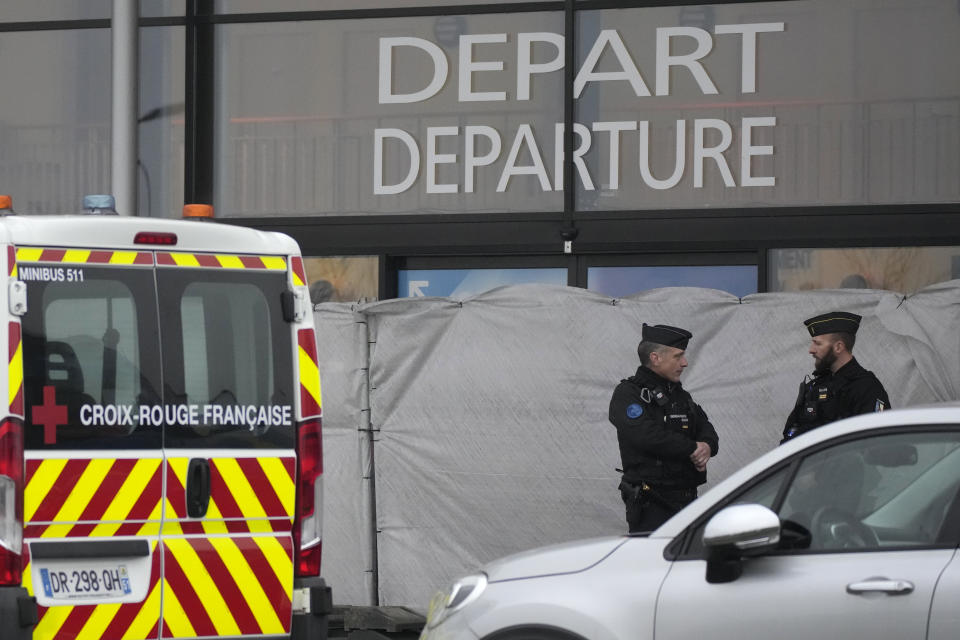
{"points": [[943, 413]]}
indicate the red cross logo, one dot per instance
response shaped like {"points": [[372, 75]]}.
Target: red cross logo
{"points": [[49, 414]]}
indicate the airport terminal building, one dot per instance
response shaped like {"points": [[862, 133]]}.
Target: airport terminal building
{"points": [[439, 148]]}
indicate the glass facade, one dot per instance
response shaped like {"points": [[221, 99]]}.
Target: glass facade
{"points": [[374, 130], [902, 269], [464, 283], [374, 116], [342, 278], [162, 8], [256, 6], [740, 280], [161, 130], [55, 122], [731, 106], [56, 10]]}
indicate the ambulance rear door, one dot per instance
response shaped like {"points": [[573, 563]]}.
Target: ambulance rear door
{"points": [[230, 445], [93, 477]]}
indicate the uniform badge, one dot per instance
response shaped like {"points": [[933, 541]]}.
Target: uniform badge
{"points": [[634, 411], [880, 406]]}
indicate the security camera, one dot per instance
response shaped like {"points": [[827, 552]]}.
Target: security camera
{"points": [[569, 233]]}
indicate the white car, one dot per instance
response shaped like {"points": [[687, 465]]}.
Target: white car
{"points": [[849, 531]]}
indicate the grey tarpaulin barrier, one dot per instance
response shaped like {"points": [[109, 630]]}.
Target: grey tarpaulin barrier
{"points": [[348, 529], [484, 421]]}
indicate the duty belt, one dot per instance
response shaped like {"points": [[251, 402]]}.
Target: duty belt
{"points": [[662, 495]]}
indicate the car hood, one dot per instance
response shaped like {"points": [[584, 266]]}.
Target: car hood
{"points": [[567, 557]]}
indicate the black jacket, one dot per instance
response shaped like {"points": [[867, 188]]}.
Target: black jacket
{"points": [[658, 427], [849, 391]]}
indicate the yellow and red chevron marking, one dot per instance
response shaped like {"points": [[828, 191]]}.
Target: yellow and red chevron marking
{"points": [[92, 497], [227, 586], [246, 494], [299, 275], [113, 621], [11, 261], [15, 369], [310, 402], [83, 256], [221, 261]]}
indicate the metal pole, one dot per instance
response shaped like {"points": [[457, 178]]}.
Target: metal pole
{"points": [[125, 57], [366, 424]]}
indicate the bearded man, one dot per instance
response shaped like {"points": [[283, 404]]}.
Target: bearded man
{"points": [[839, 387]]}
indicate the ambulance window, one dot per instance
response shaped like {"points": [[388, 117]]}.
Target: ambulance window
{"points": [[92, 345], [226, 340], [83, 323], [228, 359]]}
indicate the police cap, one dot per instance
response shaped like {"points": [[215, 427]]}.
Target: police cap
{"points": [[833, 322], [665, 335]]}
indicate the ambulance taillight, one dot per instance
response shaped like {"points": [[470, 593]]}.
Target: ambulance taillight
{"points": [[307, 527], [11, 500]]}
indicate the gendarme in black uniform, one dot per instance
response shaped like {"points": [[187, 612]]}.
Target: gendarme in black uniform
{"points": [[833, 395], [658, 427]]}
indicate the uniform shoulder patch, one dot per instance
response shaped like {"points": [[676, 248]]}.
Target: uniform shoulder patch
{"points": [[634, 411], [880, 405]]}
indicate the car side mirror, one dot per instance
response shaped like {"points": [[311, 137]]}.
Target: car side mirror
{"points": [[735, 532]]}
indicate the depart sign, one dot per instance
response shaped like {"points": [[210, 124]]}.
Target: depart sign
{"points": [[711, 138]]}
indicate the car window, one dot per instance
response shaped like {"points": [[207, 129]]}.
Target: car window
{"points": [[879, 492], [764, 492], [882, 491]]}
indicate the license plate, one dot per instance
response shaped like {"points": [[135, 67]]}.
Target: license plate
{"points": [[86, 582]]}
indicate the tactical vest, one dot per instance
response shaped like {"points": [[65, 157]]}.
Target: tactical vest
{"points": [[820, 403], [678, 413]]}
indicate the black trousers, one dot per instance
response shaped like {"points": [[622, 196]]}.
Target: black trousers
{"points": [[646, 512]]}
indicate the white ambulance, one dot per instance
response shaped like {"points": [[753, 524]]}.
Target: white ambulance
{"points": [[160, 456]]}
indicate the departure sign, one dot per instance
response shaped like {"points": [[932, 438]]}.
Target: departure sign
{"points": [[539, 156]]}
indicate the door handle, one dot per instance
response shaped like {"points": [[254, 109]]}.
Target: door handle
{"points": [[880, 585], [198, 487]]}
